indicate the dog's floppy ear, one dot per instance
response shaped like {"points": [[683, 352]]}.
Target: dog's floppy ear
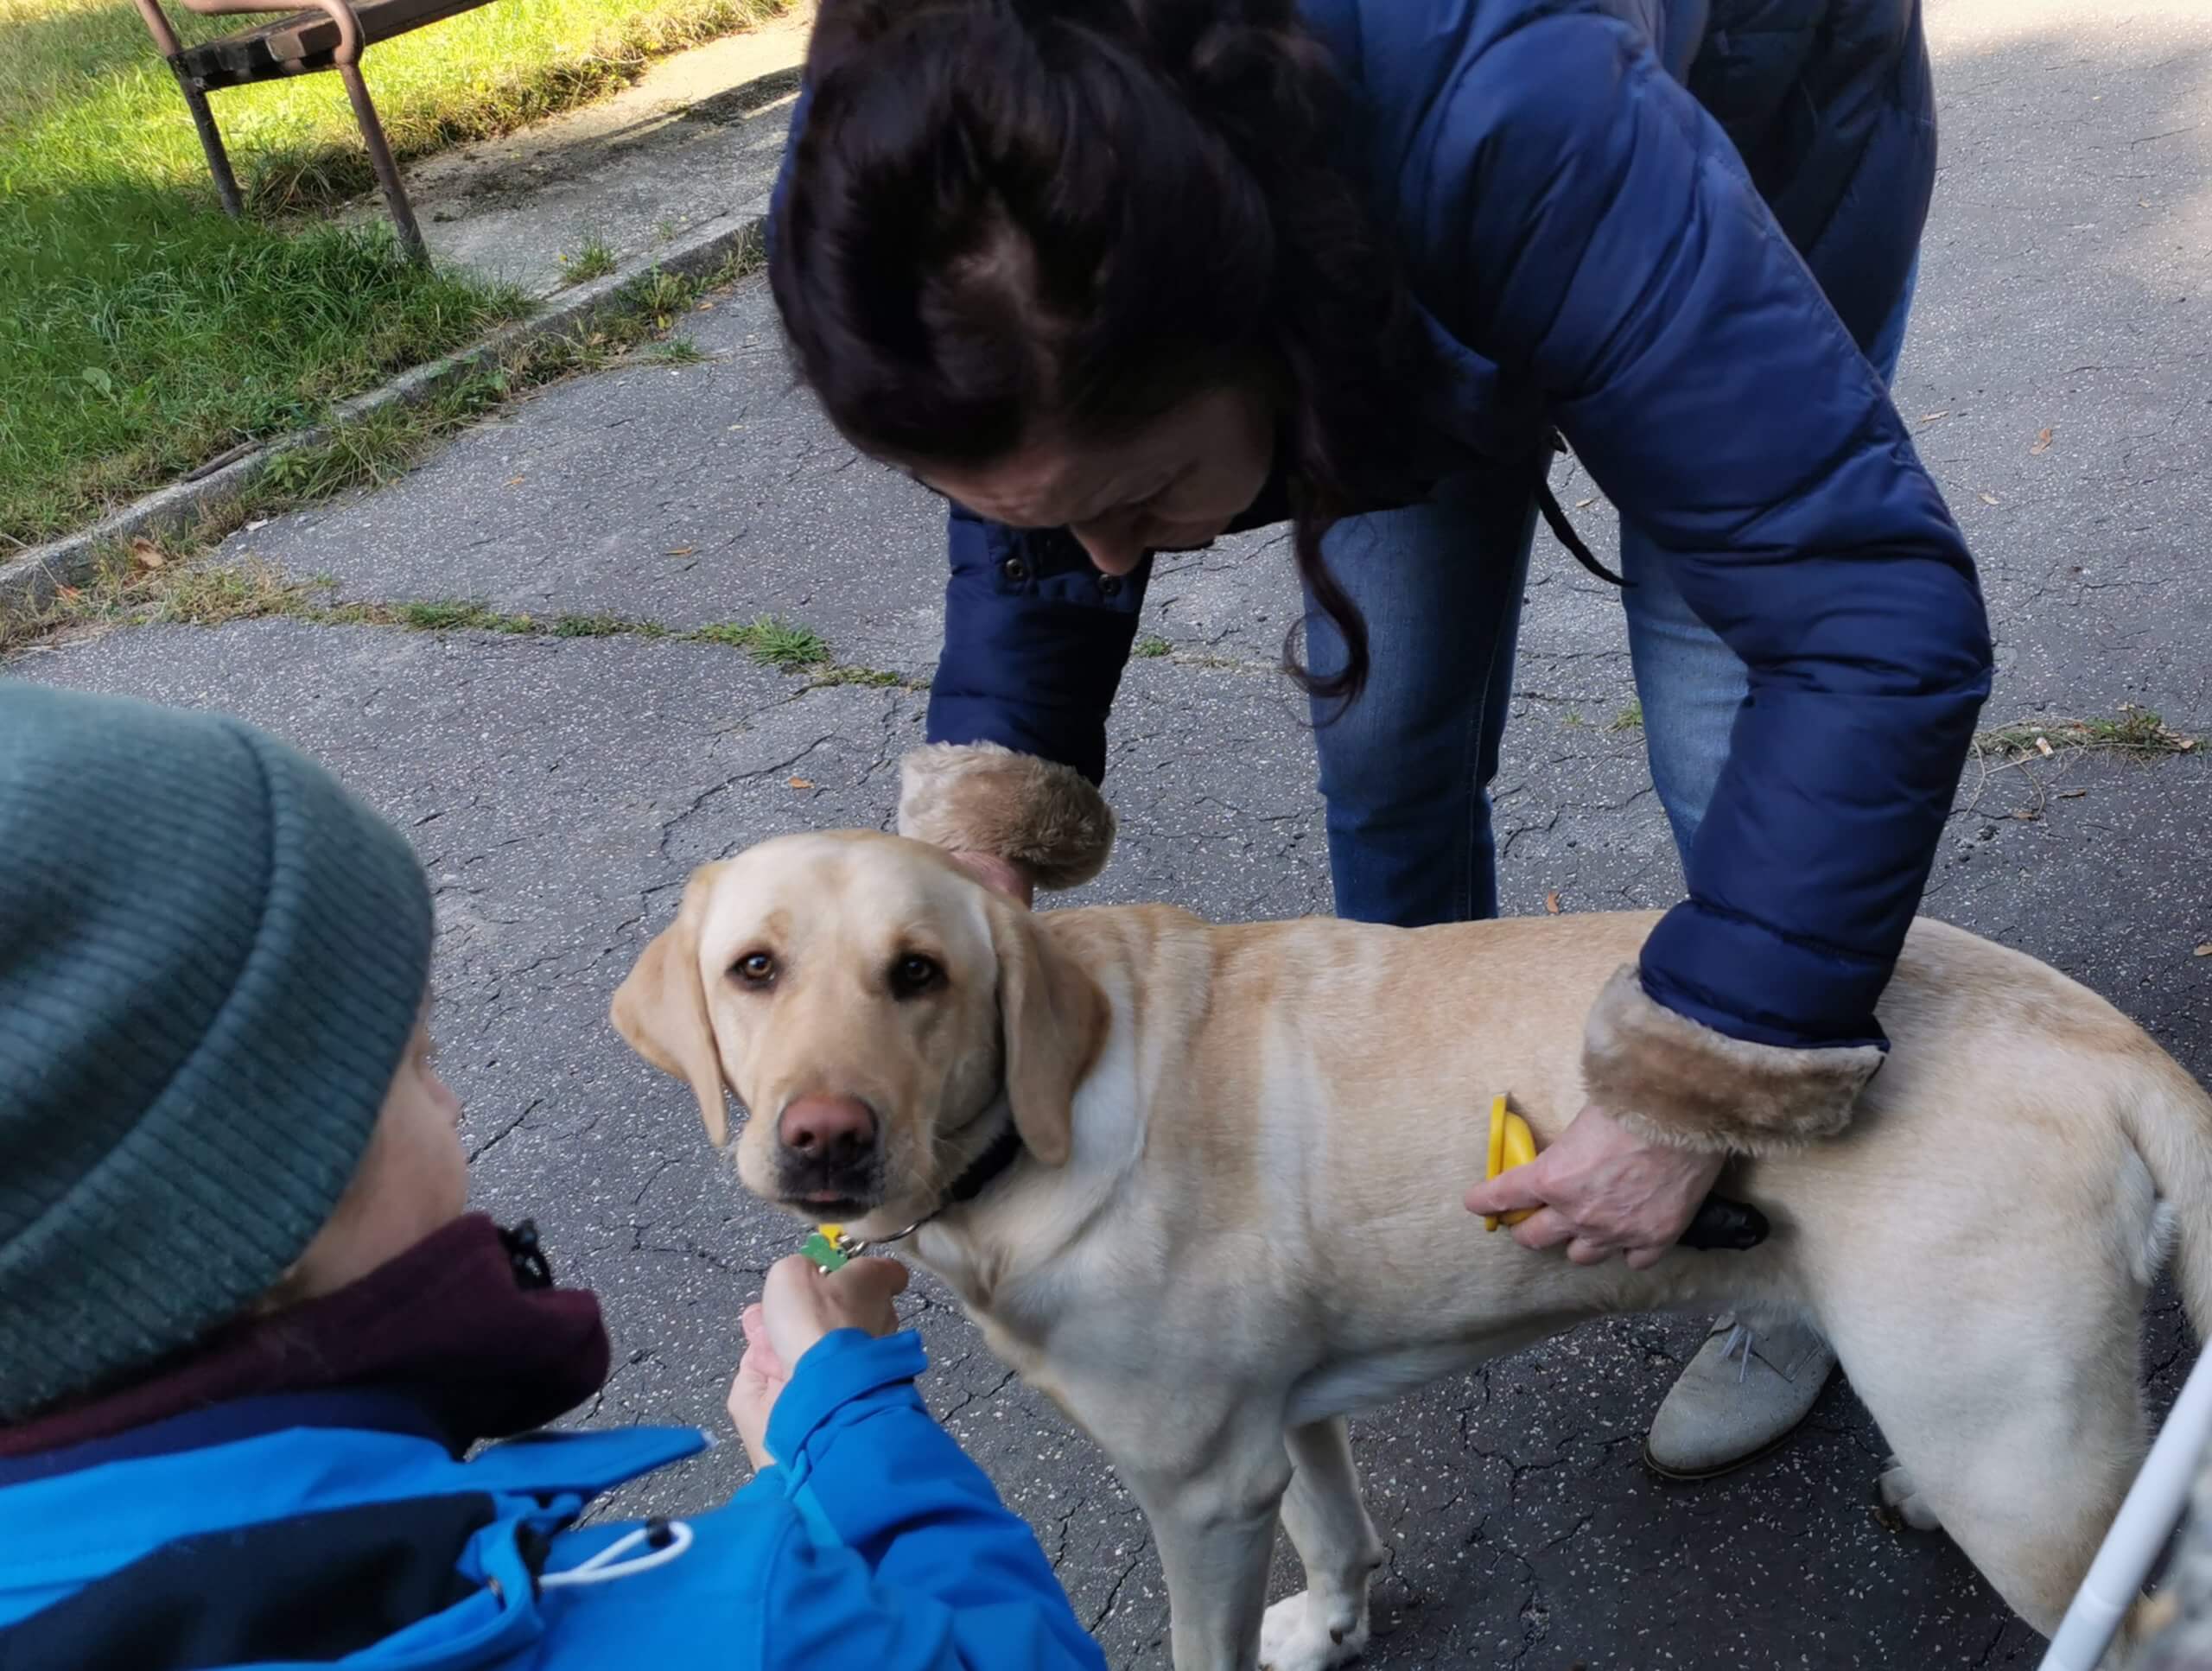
{"points": [[1054, 1018], [661, 1008]]}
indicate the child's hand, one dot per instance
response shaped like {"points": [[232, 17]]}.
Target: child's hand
{"points": [[798, 1307], [800, 1304], [760, 1376]]}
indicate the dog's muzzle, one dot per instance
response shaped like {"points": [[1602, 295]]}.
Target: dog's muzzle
{"points": [[829, 1154]]}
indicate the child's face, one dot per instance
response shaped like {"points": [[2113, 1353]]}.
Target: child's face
{"points": [[414, 1179]]}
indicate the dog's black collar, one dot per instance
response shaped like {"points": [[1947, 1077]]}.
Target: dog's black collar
{"points": [[985, 1169], [982, 1173]]}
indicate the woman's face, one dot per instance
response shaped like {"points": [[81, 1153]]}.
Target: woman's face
{"points": [[1172, 486]]}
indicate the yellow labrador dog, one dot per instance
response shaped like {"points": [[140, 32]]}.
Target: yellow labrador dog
{"points": [[1233, 1215]]}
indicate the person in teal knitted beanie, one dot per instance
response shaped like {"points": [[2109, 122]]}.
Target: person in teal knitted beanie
{"points": [[212, 959], [252, 1340]]}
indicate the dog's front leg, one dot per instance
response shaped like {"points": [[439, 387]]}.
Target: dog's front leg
{"points": [[1216, 1528], [1326, 1625]]}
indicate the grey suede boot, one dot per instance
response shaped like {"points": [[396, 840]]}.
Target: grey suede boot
{"points": [[1742, 1394]]}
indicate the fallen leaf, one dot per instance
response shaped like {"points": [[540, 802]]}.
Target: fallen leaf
{"points": [[1551, 904], [704, 308], [1930, 418], [2043, 442], [514, 481], [2182, 745], [2204, 950], [2024, 815], [2072, 794], [1989, 498], [802, 783], [2043, 748], [1584, 505], [258, 522], [680, 551]]}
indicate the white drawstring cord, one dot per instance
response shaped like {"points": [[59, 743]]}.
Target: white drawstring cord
{"points": [[603, 1567]]}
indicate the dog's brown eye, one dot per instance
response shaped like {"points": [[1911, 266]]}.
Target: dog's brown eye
{"points": [[914, 973], [755, 969]]}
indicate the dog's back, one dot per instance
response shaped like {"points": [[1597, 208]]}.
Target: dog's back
{"points": [[1978, 1244]]}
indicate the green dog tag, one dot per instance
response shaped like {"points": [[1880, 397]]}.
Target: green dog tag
{"points": [[827, 1254]]}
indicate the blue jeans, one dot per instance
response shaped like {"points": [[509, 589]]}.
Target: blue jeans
{"points": [[1406, 770]]}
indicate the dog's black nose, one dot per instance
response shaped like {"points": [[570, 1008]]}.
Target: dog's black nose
{"points": [[829, 1133]]}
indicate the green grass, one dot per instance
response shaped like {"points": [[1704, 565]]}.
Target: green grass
{"points": [[879, 678], [141, 333], [678, 350], [462, 615], [1629, 719], [593, 258], [125, 365], [1152, 647], [773, 643], [2135, 731]]}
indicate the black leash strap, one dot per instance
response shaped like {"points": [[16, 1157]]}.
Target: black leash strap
{"points": [[1722, 1224], [1563, 531]]}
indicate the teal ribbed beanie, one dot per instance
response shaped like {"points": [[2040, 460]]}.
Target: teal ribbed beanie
{"points": [[211, 960]]}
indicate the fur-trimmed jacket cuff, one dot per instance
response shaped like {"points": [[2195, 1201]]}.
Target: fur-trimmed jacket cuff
{"points": [[1678, 1082], [980, 797]]}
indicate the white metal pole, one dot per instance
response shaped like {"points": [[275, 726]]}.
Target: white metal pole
{"points": [[2146, 1519]]}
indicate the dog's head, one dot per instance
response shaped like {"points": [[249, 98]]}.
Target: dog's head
{"points": [[878, 1012]]}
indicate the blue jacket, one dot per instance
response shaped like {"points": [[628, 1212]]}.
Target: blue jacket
{"points": [[1667, 227], [293, 1530]]}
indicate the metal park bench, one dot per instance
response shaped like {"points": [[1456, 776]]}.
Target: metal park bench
{"points": [[328, 34]]}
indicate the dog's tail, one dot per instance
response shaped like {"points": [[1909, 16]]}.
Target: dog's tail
{"points": [[2169, 1120]]}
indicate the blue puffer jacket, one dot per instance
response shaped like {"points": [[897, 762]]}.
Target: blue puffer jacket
{"points": [[1667, 227], [292, 1530]]}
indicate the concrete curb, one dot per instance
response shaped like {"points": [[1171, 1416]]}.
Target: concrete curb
{"points": [[29, 580]]}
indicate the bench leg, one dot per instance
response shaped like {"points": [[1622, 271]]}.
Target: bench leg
{"points": [[395, 194], [210, 141]]}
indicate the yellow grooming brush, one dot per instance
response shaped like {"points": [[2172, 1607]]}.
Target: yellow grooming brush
{"points": [[1511, 1144]]}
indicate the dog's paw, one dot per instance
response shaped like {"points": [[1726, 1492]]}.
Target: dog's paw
{"points": [[1304, 1633], [1902, 1497]]}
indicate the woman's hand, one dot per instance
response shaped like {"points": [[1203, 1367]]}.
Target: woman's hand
{"points": [[798, 1307], [1601, 1190]]}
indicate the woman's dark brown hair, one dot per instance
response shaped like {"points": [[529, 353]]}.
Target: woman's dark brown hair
{"points": [[1013, 217]]}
